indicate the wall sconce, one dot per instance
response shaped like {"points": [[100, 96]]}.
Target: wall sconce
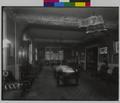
{"points": [[22, 53]]}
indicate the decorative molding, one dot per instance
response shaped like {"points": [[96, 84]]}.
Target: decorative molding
{"points": [[65, 21], [57, 41], [10, 13]]}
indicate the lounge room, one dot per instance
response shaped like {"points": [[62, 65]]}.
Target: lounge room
{"points": [[60, 53]]}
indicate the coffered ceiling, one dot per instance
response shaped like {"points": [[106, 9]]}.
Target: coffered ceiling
{"points": [[49, 23]]}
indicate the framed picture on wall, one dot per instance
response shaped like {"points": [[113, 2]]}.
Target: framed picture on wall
{"points": [[103, 50]]}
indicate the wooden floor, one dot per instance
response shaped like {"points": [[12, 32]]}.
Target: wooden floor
{"points": [[89, 88], [44, 87]]}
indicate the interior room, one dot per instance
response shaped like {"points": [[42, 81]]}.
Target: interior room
{"points": [[60, 53]]}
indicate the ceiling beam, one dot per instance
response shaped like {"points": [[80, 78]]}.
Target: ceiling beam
{"points": [[56, 41]]}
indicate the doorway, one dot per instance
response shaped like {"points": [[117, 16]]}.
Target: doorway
{"points": [[91, 59]]}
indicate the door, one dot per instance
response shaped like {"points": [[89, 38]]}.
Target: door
{"points": [[91, 59]]}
